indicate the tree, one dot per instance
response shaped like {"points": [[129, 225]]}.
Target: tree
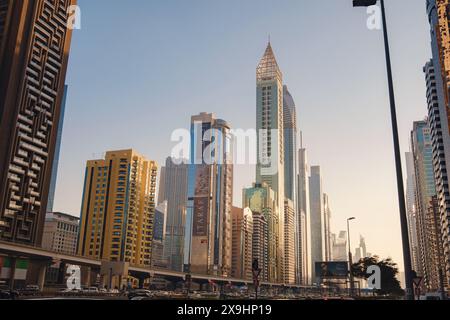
{"points": [[390, 285]]}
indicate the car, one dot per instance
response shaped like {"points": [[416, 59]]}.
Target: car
{"points": [[30, 290], [140, 293], [7, 294], [91, 290]]}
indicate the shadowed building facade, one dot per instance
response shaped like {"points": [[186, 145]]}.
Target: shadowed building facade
{"points": [[438, 13], [34, 50]]}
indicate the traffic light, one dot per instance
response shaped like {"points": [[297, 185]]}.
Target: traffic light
{"points": [[364, 3]]}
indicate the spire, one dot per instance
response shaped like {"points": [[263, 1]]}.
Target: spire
{"points": [[268, 67]]}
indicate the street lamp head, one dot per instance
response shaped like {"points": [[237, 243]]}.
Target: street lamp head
{"points": [[350, 219], [364, 3]]}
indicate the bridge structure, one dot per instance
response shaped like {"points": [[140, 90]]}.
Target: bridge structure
{"points": [[42, 259]]}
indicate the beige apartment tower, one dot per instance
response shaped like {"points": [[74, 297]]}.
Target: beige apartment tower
{"points": [[118, 208]]}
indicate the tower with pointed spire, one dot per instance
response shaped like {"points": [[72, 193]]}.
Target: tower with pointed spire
{"points": [[270, 126]]}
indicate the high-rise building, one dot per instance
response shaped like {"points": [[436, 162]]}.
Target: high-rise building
{"points": [[210, 197], [412, 212], [427, 214], [438, 92], [118, 208], [303, 244], [270, 126], [317, 217], [60, 233], [339, 246], [262, 199], [290, 146], [260, 250], [361, 250], [173, 189], [242, 243], [159, 235], [327, 227], [289, 242], [34, 50]]}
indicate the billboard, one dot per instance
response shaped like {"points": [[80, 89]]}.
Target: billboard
{"points": [[337, 269]]}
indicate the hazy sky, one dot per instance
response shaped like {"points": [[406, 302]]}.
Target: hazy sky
{"points": [[139, 69]]}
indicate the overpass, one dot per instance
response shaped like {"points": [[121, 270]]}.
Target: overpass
{"points": [[45, 258]]}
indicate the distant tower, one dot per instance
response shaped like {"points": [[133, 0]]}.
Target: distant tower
{"points": [[270, 128], [317, 218]]}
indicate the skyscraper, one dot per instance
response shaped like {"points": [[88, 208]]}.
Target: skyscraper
{"points": [[270, 128], [34, 50], [210, 197], [303, 244], [290, 146], [242, 243], [438, 82], [173, 189], [426, 206], [317, 217], [412, 212], [339, 246], [118, 208], [327, 227], [159, 236]]}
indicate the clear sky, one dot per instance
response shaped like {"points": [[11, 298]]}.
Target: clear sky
{"points": [[139, 69]]}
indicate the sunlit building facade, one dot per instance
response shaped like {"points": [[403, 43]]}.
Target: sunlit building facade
{"points": [[270, 126], [242, 243], [118, 207], [210, 197]]}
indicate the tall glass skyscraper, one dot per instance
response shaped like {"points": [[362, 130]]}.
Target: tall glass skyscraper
{"points": [[173, 189], [210, 197], [428, 232], [270, 126]]}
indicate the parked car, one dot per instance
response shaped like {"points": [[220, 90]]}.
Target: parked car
{"points": [[7, 294], [30, 290], [139, 293]]}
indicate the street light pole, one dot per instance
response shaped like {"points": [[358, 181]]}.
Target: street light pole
{"points": [[398, 159], [350, 258]]}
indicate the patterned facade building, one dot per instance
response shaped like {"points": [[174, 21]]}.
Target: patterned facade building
{"points": [[34, 50]]}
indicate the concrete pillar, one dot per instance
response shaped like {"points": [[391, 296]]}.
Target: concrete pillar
{"points": [[88, 277], [61, 273], [41, 276], [12, 274]]}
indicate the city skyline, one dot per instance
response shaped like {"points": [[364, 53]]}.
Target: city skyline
{"points": [[313, 107]]}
